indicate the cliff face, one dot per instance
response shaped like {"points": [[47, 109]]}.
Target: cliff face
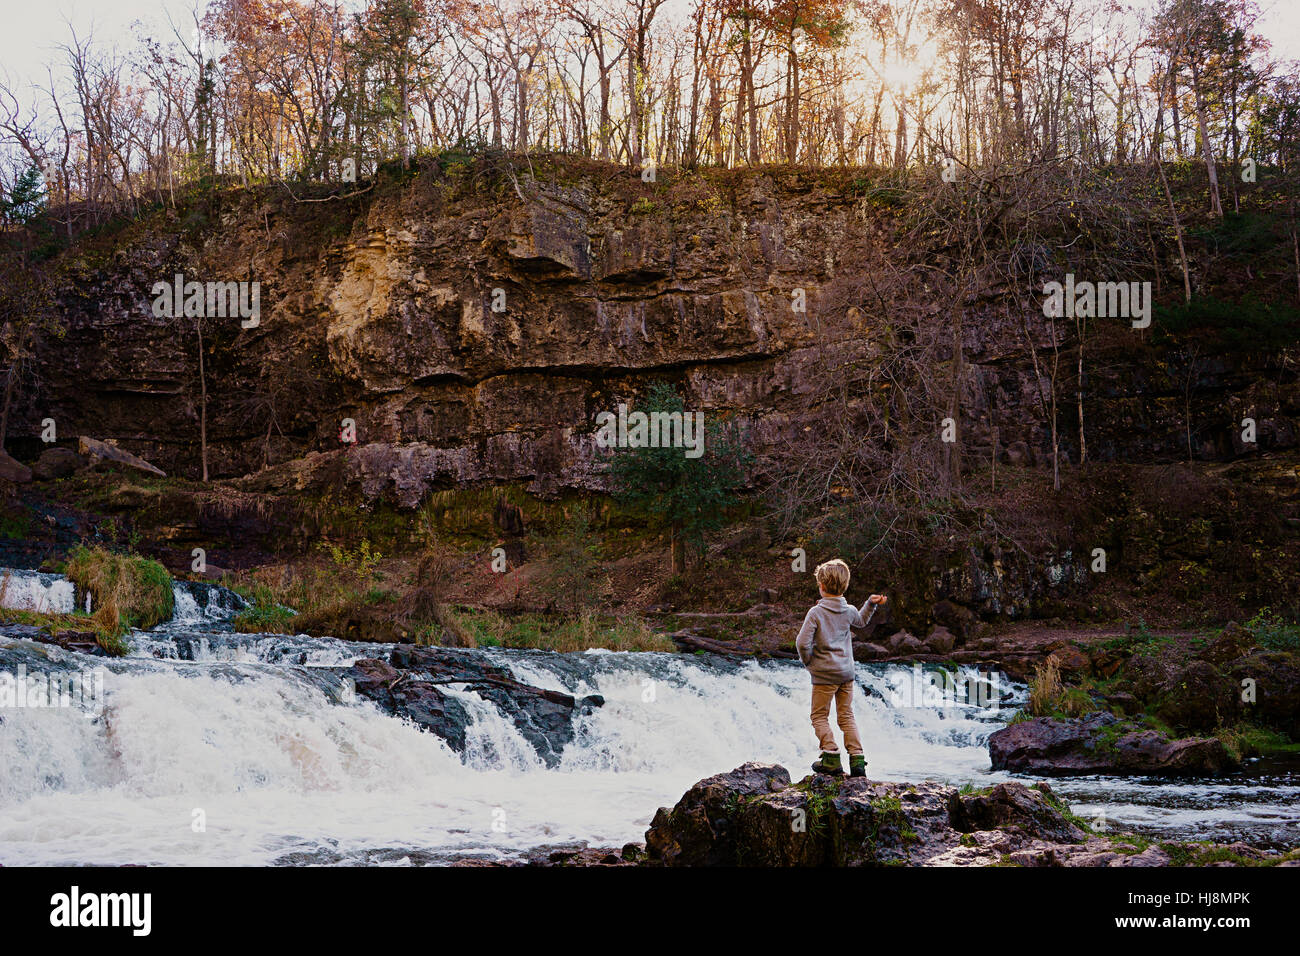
{"points": [[474, 326]]}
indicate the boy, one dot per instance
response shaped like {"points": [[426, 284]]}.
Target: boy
{"points": [[825, 646]]}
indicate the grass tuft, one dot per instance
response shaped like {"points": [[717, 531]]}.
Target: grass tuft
{"points": [[127, 591]]}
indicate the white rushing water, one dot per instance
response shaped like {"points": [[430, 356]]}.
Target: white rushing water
{"points": [[36, 591], [278, 769], [219, 748]]}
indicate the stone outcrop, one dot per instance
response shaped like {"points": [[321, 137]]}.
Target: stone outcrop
{"points": [[472, 332], [483, 327], [755, 816], [1102, 743]]}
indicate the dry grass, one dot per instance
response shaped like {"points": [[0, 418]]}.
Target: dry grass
{"points": [[127, 591], [565, 635], [1045, 688], [1049, 697]]}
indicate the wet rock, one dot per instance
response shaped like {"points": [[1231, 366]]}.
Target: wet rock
{"points": [[408, 684], [754, 816], [419, 701], [1101, 743]]}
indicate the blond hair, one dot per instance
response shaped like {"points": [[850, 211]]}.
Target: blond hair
{"points": [[833, 577]]}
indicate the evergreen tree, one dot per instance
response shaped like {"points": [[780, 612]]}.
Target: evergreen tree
{"points": [[687, 495]]}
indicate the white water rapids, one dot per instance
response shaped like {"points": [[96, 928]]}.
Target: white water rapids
{"points": [[241, 749], [281, 770]]}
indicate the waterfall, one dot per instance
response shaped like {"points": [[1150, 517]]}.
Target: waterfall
{"points": [[282, 769], [207, 746], [36, 591]]}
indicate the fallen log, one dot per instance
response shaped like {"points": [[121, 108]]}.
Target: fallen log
{"points": [[97, 451], [690, 641]]}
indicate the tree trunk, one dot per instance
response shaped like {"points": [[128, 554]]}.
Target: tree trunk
{"points": [[1216, 205], [203, 404], [10, 379], [678, 549]]}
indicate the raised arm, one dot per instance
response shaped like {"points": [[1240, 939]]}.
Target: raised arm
{"points": [[863, 616]]}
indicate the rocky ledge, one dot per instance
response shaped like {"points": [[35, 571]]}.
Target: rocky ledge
{"points": [[1103, 743], [412, 682], [755, 816]]}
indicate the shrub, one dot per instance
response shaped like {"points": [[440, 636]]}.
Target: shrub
{"points": [[1271, 631], [264, 615], [575, 578]]}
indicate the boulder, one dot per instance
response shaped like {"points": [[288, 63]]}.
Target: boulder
{"points": [[11, 469], [1034, 812], [1101, 743], [1228, 645], [1124, 701], [1069, 658], [1275, 679], [1197, 697], [57, 463], [940, 641], [699, 830], [96, 451], [754, 816], [1108, 661], [962, 621], [903, 642]]}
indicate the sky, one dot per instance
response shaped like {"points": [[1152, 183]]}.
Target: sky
{"points": [[33, 29]]}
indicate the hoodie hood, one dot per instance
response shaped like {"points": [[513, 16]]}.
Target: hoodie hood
{"points": [[836, 604]]}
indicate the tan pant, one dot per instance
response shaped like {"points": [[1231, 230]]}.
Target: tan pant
{"points": [[842, 694]]}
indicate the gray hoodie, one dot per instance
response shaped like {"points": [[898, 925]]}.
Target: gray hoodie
{"points": [[825, 643]]}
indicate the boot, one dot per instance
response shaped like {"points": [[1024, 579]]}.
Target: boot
{"points": [[829, 763], [857, 765]]}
